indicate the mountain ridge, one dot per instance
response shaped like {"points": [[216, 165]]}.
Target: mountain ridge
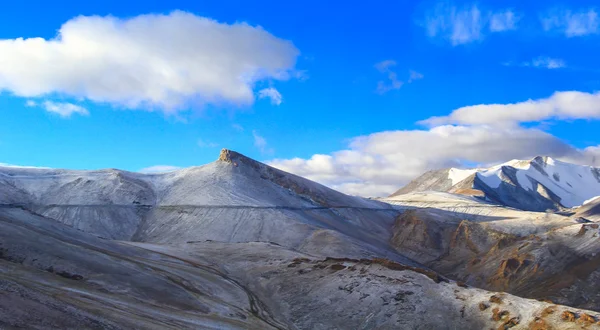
{"points": [[233, 199]]}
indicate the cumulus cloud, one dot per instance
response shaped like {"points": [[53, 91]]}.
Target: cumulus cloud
{"points": [[159, 169], [561, 105], [153, 61], [589, 156], [380, 163], [572, 23], [271, 93], [392, 82], [463, 25]]}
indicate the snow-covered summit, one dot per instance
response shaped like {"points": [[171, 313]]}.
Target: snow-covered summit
{"points": [[536, 185]]}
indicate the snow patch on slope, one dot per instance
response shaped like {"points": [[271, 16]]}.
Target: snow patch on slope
{"points": [[457, 175], [590, 200], [491, 178]]}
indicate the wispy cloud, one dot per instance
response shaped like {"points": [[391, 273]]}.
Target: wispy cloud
{"points": [[392, 82], [414, 75], [63, 109], [467, 24], [503, 21], [159, 169], [548, 63], [543, 62], [206, 144], [572, 23], [21, 166], [271, 93], [238, 127], [261, 143]]}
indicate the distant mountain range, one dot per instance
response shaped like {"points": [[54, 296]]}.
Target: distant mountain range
{"points": [[539, 184]]}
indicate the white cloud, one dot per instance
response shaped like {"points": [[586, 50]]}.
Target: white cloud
{"points": [[572, 24], [561, 105], [548, 63], [30, 103], [384, 66], [467, 24], [261, 143], [154, 61], [380, 163], [206, 144], [159, 169], [20, 166], [503, 21], [272, 94], [64, 109], [238, 127], [543, 62], [393, 83], [414, 75]]}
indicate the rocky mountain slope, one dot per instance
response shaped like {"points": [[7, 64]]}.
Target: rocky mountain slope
{"points": [[234, 199], [530, 254], [539, 184]]}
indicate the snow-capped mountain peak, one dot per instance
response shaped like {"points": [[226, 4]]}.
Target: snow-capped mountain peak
{"points": [[538, 184]]}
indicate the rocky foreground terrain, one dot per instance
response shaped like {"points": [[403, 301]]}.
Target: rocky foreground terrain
{"points": [[236, 244]]}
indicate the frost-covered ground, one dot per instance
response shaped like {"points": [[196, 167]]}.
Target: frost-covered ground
{"points": [[236, 244], [55, 277]]}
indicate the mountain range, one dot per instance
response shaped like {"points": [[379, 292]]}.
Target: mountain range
{"points": [[237, 244], [540, 184]]}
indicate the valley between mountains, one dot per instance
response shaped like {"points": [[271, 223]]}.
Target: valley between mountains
{"points": [[237, 244]]}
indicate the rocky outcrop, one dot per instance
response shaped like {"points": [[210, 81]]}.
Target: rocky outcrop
{"points": [[561, 264], [417, 235]]}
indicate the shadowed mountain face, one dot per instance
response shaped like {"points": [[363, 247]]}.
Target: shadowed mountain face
{"points": [[537, 185], [236, 244]]}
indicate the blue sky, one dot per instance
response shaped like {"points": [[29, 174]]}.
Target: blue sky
{"points": [[340, 94]]}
